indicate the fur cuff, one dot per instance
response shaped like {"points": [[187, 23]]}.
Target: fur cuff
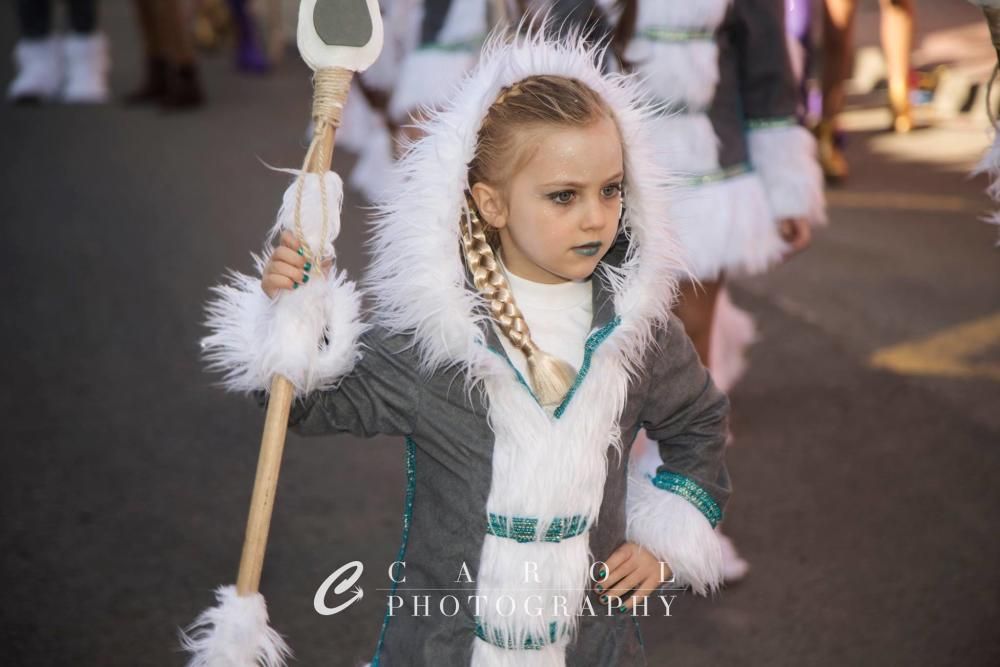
{"points": [[309, 335], [676, 532], [785, 158]]}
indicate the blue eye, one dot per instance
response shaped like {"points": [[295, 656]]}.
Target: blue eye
{"points": [[611, 190], [562, 197]]}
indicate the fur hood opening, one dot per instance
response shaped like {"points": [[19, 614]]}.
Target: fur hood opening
{"points": [[418, 276]]}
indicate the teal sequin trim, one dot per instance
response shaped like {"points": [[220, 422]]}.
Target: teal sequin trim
{"points": [[593, 341], [525, 529], [674, 35], [720, 174], [687, 489], [469, 45], [767, 123], [521, 380], [411, 485], [496, 637]]}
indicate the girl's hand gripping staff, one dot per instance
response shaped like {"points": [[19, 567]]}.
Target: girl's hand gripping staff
{"points": [[298, 342]]}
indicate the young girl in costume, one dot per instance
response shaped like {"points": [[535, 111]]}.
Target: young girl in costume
{"points": [[521, 336]]}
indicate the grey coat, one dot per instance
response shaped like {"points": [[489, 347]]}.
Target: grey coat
{"points": [[449, 458]]}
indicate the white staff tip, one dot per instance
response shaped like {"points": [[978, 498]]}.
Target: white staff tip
{"points": [[336, 33]]}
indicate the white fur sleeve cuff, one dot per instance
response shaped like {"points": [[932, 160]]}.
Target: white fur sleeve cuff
{"points": [[309, 335], [676, 532], [310, 339], [784, 154]]}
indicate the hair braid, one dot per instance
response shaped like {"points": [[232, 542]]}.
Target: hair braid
{"points": [[550, 377], [546, 100]]}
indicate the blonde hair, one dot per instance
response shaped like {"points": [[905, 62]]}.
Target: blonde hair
{"points": [[530, 103]]}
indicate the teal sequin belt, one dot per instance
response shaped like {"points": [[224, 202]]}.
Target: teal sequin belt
{"points": [[525, 529], [498, 638]]}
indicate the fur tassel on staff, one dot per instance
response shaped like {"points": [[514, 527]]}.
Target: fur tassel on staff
{"points": [[301, 341]]}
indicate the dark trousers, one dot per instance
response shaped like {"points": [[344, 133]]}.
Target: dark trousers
{"points": [[36, 17]]}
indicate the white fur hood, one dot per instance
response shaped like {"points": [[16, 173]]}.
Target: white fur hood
{"points": [[418, 276]]}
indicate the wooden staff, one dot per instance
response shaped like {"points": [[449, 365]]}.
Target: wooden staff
{"points": [[330, 85], [336, 38]]}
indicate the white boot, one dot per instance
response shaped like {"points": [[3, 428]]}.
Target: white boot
{"points": [[87, 64], [39, 70], [734, 568]]}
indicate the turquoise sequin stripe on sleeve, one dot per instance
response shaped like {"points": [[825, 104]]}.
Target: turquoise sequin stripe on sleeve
{"points": [[497, 637], [767, 123], [690, 491], [525, 529]]}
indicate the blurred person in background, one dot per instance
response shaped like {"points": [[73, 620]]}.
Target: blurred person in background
{"points": [[256, 28], [838, 39], [749, 189], [71, 68], [171, 78]]}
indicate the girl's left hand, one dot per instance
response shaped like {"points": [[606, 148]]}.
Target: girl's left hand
{"points": [[632, 572], [796, 232]]}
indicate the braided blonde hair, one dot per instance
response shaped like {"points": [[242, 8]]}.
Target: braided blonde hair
{"points": [[532, 102]]}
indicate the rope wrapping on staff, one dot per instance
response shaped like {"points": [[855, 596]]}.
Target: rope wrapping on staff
{"points": [[330, 88]]}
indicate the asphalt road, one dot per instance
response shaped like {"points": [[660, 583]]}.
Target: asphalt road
{"points": [[866, 495]]}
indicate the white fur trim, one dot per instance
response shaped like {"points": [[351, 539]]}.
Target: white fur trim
{"points": [[562, 571], [727, 226], [686, 143], [674, 531], [427, 79], [234, 633], [670, 14], [685, 71], [785, 158], [253, 337], [682, 72]]}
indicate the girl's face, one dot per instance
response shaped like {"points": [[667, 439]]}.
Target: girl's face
{"points": [[558, 215]]}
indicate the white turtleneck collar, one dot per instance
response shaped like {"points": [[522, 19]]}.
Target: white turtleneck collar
{"points": [[559, 316]]}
